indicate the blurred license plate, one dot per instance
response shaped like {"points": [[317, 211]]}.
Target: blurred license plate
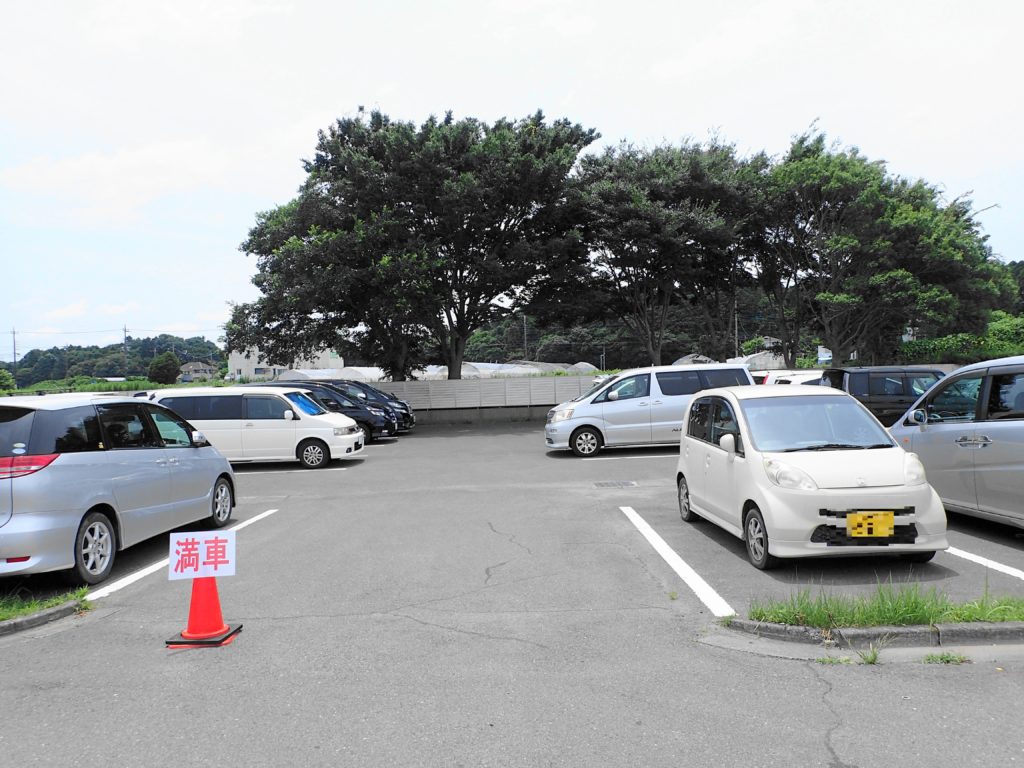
{"points": [[873, 524]]}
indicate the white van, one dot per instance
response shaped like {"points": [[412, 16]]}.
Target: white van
{"points": [[641, 406], [266, 424]]}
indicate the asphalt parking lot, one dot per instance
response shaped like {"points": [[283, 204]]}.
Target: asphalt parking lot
{"points": [[461, 596]]}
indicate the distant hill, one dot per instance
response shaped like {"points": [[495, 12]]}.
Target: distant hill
{"points": [[128, 360]]}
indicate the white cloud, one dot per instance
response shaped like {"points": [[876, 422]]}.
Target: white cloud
{"points": [[78, 309]]}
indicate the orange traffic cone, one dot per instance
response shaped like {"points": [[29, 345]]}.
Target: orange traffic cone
{"points": [[206, 626]]}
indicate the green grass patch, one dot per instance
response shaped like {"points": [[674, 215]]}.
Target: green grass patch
{"points": [[13, 606], [946, 658], [889, 605]]}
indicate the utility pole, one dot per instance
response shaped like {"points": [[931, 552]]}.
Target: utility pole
{"points": [[735, 327], [526, 355], [124, 353], [14, 350]]}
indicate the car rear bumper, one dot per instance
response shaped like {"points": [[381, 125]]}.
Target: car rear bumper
{"points": [[47, 539]]}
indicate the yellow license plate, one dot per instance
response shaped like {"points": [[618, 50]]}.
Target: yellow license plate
{"points": [[874, 524]]}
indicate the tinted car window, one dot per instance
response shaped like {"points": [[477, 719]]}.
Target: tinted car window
{"points": [[858, 384], [955, 401], [69, 430], [884, 384], [15, 428], [678, 382], [1006, 398], [724, 423], [125, 427], [700, 420], [729, 377], [265, 408]]}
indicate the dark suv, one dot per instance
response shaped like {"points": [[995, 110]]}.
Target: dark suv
{"points": [[375, 422], [886, 391], [365, 393]]}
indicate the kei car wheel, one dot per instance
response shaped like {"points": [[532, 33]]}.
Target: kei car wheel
{"points": [[314, 454], [95, 546], [685, 512], [221, 504], [756, 537], [367, 433], [585, 441]]}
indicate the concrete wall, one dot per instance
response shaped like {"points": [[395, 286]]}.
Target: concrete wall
{"points": [[485, 401]]}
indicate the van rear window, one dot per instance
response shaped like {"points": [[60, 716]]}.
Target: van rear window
{"points": [[726, 377], [678, 382], [15, 428], [69, 430], [206, 407]]}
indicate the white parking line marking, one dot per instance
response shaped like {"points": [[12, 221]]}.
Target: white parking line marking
{"points": [[287, 471], [114, 586], [693, 580], [619, 458], [1008, 570]]}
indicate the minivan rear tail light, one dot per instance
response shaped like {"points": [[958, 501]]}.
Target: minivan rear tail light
{"points": [[19, 466]]}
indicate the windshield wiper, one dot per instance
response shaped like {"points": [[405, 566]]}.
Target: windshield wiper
{"points": [[828, 447]]}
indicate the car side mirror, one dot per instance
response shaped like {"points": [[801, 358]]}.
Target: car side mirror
{"points": [[288, 414], [362, 395], [727, 443], [199, 439], [613, 395], [919, 416]]}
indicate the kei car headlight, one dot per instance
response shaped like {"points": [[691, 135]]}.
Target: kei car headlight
{"points": [[376, 411], [913, 470], [787, 476], [341, 431]]}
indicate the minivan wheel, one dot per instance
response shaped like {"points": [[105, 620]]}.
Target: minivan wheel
{"points": [[756, 537], [314, 454], [367, 433], [95, 545], [221, 504], [685, 512], [585, 441]]}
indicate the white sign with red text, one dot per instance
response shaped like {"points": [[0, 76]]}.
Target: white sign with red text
{"points": [[201, 553]]}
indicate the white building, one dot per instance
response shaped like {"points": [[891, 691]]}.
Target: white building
{"points": [[253, 366]]}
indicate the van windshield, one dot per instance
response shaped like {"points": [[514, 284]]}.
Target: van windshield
{"points": [[600, 385], [304, 404]]}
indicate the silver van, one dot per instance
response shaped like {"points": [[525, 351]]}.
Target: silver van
{"points": [[968, 430], [641, 406], [83, 476]]}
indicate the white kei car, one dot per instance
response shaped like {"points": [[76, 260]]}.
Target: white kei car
{"points": [[803, 471]]}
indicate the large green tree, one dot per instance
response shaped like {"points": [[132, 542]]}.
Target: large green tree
{"points": [[855, 256], [658, 232], [403, 234]]}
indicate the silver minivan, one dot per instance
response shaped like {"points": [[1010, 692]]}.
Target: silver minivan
{"points": [[968, 430], [641, 406], [83, 476]]}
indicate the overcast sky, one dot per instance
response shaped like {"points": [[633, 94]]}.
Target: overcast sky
{"points": [[139, 139]]}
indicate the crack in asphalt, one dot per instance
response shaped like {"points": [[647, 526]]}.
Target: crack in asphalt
{"points": [[511, 538], [835, 762], [469, 632], [489, 571]]}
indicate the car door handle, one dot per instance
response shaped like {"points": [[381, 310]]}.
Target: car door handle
{"points": [[248, 423], [641, 405], [983, 440], [161, 462], [964, 440], [656, 402]]}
